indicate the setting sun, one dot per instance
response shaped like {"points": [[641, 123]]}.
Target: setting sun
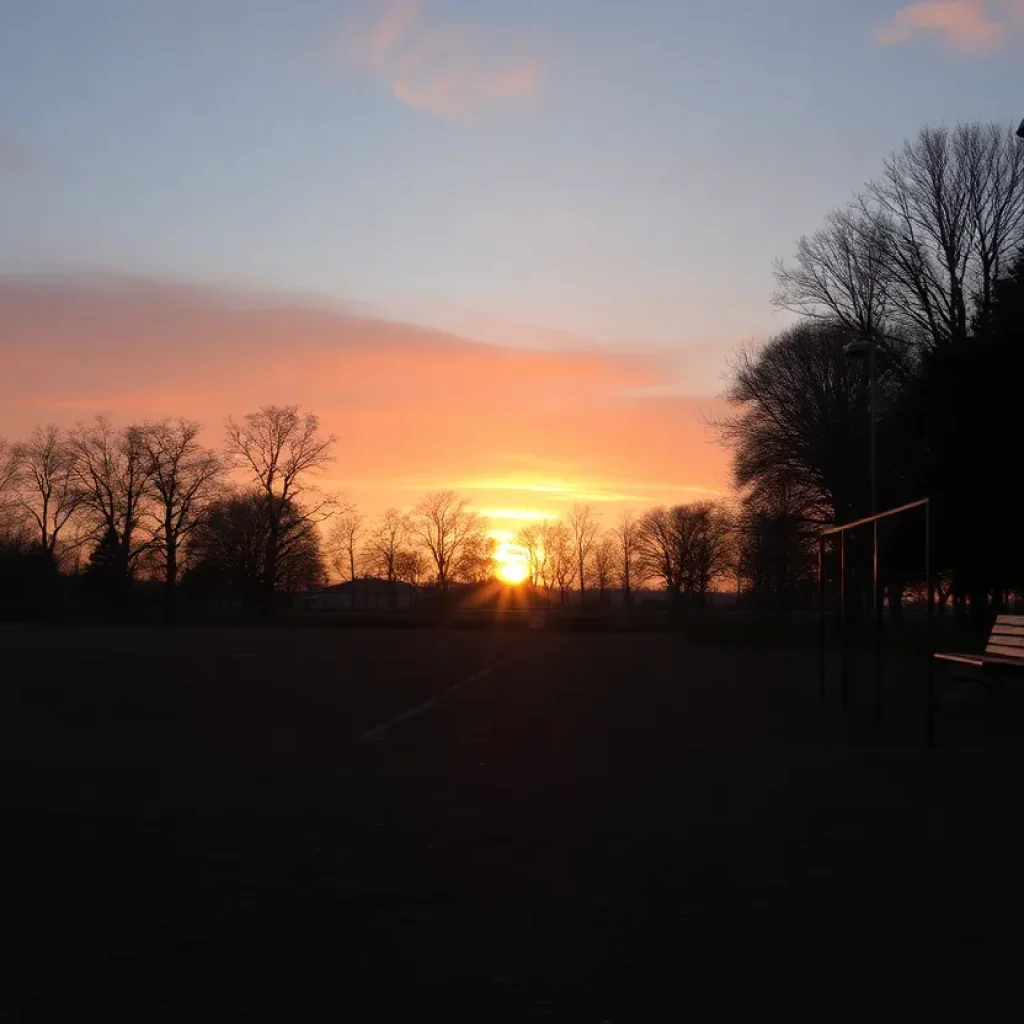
{"points": [[513, 566]]}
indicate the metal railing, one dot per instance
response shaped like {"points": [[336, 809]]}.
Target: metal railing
{"points": [[876, 602]]}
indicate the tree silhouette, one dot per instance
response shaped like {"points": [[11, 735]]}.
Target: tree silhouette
{"points": [[658, 550], [476, 562], [560, 561], [531, 539], [918, 254], [777, 556], [840, 273], [801, 419], [387, 547], [114, 486], [280, 449], [605, 555], [922, 263], [8, 477], [106, 576], [347, 530], [446, 525], [47, 482], [584, 526], [688, 547], [627, 539], [185, 477], [229, 547]]}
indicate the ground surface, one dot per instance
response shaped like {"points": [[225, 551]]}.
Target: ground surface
{"points": [[243, 825]]}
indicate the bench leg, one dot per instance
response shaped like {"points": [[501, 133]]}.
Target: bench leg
{"points": [[931, 705]]}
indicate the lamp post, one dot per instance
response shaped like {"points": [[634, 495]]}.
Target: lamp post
{"points": [[858, 349]]}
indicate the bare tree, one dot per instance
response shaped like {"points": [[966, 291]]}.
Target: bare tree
{"points": [[476, 563], [705, 546], [185, 476], [410, 566], [387, 548], [114, 486], [9, 471], [606, 552], [627, 540], [584, 526], [560, 560], [47, 483], [446, 525], [531, 540], [347, 531], [994, 170], [919, 253], [840, 273], [658, 550], [281, 449], [801, 409], [952, 206], [922, 202]]}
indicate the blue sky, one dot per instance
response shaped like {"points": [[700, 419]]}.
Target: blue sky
{"points": [[621, 171]]}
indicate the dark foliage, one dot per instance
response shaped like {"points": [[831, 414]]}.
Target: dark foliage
{"points": [[29, 579], [228, 551]]}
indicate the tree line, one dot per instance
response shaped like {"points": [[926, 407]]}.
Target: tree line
{"points": [[112, 507], [686, 550], [926, 263]]}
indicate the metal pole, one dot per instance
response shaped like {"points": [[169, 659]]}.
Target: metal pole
{"points": [[873, 433], [821, 618], [844, 675], [876, 603], [929, 620], [876, 629]]}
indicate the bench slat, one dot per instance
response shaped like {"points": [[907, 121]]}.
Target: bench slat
{"points": [[1008, 631], [1011, 653], [1010, 620], [1006, 640]]}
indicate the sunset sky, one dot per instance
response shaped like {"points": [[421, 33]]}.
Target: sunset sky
{"points": [[504, 246]]}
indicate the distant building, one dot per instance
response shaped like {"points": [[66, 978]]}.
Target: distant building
{"points": [[366, 595]]}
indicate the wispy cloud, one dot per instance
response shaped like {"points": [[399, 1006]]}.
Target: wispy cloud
{"points": [[972, 26], [451, 70], [514, 429]]}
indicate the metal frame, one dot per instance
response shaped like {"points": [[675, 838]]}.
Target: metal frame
{"points": [[844, 675]]}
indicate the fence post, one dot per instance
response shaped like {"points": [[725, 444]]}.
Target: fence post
{"points": [[929, 620], [876, 628], [821, 619], [844, 672]]}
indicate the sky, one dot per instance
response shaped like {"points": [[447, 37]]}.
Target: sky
{"points": [[506, 246]]}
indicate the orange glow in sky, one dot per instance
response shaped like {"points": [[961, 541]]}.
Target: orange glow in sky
{"points": [[523, 432]]}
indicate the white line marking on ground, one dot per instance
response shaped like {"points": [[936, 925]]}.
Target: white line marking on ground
{"points": [[380, 730]]}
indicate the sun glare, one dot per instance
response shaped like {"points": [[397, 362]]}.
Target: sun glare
{"points": [[513, 567]]}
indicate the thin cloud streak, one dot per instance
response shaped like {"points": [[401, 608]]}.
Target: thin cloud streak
{"points": [[971, 26], [447, 70]]}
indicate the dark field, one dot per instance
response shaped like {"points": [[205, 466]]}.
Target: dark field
{"points": [[196, 827]]}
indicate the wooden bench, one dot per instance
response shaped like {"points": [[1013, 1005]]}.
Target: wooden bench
{"points": [[1003, 658]]}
